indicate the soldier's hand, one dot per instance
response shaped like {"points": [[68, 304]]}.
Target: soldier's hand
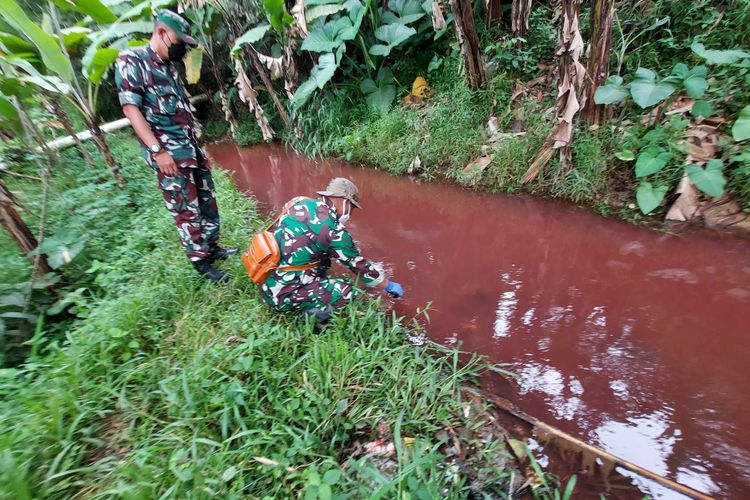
{"points": [[166, 164]]}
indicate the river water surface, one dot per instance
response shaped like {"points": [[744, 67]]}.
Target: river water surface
{"points": [[630, 339]]}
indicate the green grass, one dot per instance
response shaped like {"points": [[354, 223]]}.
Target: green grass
{"points": [[163, 385], [450, 131]]}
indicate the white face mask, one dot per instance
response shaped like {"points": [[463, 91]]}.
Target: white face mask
{"points": [[347, 215]]}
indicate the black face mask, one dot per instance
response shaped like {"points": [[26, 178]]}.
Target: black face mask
{"points": [[176, 51]]}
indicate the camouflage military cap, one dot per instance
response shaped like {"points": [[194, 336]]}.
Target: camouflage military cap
{"points": [[179, 24], [341, 187]]}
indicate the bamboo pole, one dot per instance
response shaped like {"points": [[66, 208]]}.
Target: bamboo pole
{"points": [[507, 406], [67, 141]]}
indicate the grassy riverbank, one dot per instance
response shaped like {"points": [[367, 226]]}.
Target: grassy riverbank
{"points": [[440, 139], [147, 381]]}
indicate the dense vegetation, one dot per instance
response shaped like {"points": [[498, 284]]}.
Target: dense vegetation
{"points": [[125, 375]]}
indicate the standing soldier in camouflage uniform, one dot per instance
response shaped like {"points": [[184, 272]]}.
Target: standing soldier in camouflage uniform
{"points": [[156, 103], [312, 231]]}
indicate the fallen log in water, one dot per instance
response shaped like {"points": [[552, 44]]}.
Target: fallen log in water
{"points": [[507, 406]]}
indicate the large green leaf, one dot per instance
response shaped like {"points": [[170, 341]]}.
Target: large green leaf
{"points": [[94, 8], [323, 38], [48, 47], [403, 12], [122, 31], [702, 108], [611, 92], [31, 76], [61, 248], [710, 180], [322, 11], [100, 63], [251, 36], [49, 83], [646, 91], [319, 76], [651, 160], [16, 44], [8, 114], [329, 36], [10, 86], [649, 197], [277, 16], [693, 79], [718, 56], [379, 93], [75, 36], [393, 35], [349, 26], [741, 128], [193, 63], [310, 3]]}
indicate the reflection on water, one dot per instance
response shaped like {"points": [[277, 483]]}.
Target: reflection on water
{"points": [[633, 340]]}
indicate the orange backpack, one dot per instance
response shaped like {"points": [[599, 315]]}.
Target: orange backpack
{"points": [[263, 255]]}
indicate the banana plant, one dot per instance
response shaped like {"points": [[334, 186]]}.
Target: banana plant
{"points": [[328, 37], [207, 22], [59, 76], [279, 23]]}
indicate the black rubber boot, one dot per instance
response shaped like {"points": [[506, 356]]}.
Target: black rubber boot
{"points": [[210, 272], [218, 253], [321, 315]]}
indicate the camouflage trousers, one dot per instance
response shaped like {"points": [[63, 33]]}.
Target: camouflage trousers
{"points": [[284, 295], [191, 199]]}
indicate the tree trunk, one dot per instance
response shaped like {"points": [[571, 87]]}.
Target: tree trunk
{"points": [[64, 119], [469, 41], [520, 12], [493, 11], [17, 228], [225, 107], [261, 70], [602, 14], [249, 96], [101, 143], [572, 75]]}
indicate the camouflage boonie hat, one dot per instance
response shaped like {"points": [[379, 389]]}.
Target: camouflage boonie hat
{"points": [[341, 187], [179, 24]]}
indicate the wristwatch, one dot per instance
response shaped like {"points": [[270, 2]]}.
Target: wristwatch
{"points": [[155, 149]]}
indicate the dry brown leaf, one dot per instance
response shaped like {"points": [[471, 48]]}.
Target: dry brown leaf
{"points": [[571, 108], [702, 142], [518, 89], [414, 166], [298, 13], [478, 164], [722, 212], [250, 97], [291, 76], [686, 205], [274, 64], [438, 19], [520, 11], [493, 127], [538, 163], [561, 135], [268, 461], [571, 77], [380, 448], [681, 105]]}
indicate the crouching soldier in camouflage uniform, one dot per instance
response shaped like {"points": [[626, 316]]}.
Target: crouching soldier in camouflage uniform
{"points": [[312, 231], [157, 105]]}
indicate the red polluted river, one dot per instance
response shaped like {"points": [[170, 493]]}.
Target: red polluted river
{"points": [[627, 338]]}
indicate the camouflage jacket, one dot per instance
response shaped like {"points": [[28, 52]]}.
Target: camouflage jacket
{"points": [[311, 232], [144, 80]]}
